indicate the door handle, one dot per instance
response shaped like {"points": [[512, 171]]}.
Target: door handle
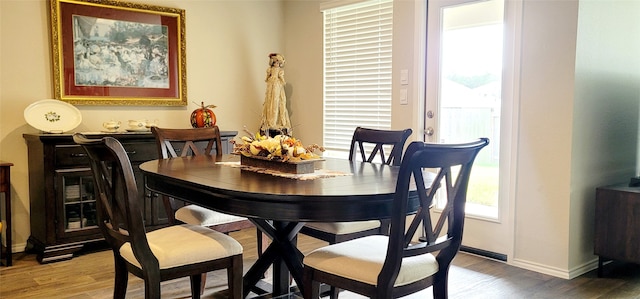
{"points": [[429, 131]]}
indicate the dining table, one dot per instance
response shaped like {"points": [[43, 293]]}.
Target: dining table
{"points": [[278, 204]]}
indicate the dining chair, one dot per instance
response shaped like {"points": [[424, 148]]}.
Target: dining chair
{"points": [[367, 145], [400, 264], [173, 143], [163, 254]]}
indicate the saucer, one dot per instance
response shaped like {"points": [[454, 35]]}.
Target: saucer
{"points": [[139, 130]]}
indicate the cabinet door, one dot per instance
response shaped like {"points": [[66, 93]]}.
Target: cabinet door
{"points": [[617, 225], [76, 211]]}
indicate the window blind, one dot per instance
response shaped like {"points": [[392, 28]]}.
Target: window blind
{"points": [[357, 71]]}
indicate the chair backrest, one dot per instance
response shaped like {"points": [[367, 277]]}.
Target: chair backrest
{"points": [[197, 141], [378, 139], [452, 163], [119, 212]]}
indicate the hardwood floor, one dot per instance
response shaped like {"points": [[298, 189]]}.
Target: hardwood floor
{"points": [[91, 276]]}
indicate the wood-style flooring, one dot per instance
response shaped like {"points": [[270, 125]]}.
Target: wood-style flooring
{"points": [[90, 275]]}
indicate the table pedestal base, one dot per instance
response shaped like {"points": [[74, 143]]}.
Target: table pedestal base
{"points": [[282, 253]]}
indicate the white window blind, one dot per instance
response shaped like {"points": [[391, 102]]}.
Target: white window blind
{"points": [[357, 71]]}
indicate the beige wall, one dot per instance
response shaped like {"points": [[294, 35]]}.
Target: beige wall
{"points": [[544, 135], [579, 103], [607, 101], [303, 51], [228, 43]]}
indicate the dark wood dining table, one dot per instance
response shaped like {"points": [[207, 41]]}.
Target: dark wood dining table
{"points": [[278, 206]]}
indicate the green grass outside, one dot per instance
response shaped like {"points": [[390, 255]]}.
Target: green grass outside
{"points": [[483, 185]]}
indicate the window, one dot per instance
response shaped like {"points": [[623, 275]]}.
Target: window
{"points": [[357, 71]]}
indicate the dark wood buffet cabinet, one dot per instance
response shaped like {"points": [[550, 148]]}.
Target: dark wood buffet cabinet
{"points": [[617, 224], [62, 203]]}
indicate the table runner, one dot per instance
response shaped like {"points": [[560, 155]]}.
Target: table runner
{"points": [[318, 173]]}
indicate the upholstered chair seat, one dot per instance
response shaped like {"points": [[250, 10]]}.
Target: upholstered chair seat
{"points": [[362, 259], [342, 228], [186, 244], [197, 215]]}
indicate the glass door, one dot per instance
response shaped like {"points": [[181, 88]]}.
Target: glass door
{"points": [[465, 101], [77, 215]]}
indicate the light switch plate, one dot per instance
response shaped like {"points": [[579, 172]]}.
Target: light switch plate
{"points": [[404, 77], [404, 98]]}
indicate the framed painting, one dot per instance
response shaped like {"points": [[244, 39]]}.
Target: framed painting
{"points": [[108, 52]]}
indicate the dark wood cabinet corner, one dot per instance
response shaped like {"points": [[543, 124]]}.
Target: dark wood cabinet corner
{"points": [[617, 224]]}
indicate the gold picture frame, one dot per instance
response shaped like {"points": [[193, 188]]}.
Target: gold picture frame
{"points": [[108, 52]]}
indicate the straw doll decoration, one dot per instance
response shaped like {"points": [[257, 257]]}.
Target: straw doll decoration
{"points": [[275, 117]]}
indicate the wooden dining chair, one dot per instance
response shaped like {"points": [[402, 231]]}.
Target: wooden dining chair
{"points": [[367, 145], [163, 254], [400, 264], [173, 143]]}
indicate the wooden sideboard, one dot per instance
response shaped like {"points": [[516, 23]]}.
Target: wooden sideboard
{"points": [[62, 203], [617, 224], [5, 188]]}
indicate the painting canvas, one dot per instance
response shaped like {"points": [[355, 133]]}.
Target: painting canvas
{"points": [[118, 53]]}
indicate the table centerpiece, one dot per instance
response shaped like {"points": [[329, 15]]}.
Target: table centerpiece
{"points": [[281, 153]]}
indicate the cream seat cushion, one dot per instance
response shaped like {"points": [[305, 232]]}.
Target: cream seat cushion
{"points": [[341, 228], [185, 244], [362, 259], [197, 215]]}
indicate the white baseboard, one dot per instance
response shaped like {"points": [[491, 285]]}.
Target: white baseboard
{"points": [[554, 271], [16, 248]]}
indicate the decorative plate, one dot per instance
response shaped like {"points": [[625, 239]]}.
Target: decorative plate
{"points": [[52, 116]]}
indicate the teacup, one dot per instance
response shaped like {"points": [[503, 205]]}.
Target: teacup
{"points": [[111, 126], [137, 124], [152, 123]]}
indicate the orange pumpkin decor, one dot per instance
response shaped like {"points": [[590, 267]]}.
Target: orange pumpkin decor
{"points": [[203, 117]]}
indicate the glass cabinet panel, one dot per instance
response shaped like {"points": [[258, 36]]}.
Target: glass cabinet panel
{"points": [[76, 192]]}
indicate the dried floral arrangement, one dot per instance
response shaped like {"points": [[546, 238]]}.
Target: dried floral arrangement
{"points": [[277, 148]]}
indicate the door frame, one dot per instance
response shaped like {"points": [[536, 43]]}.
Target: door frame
{"points": [[509, 127]]}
